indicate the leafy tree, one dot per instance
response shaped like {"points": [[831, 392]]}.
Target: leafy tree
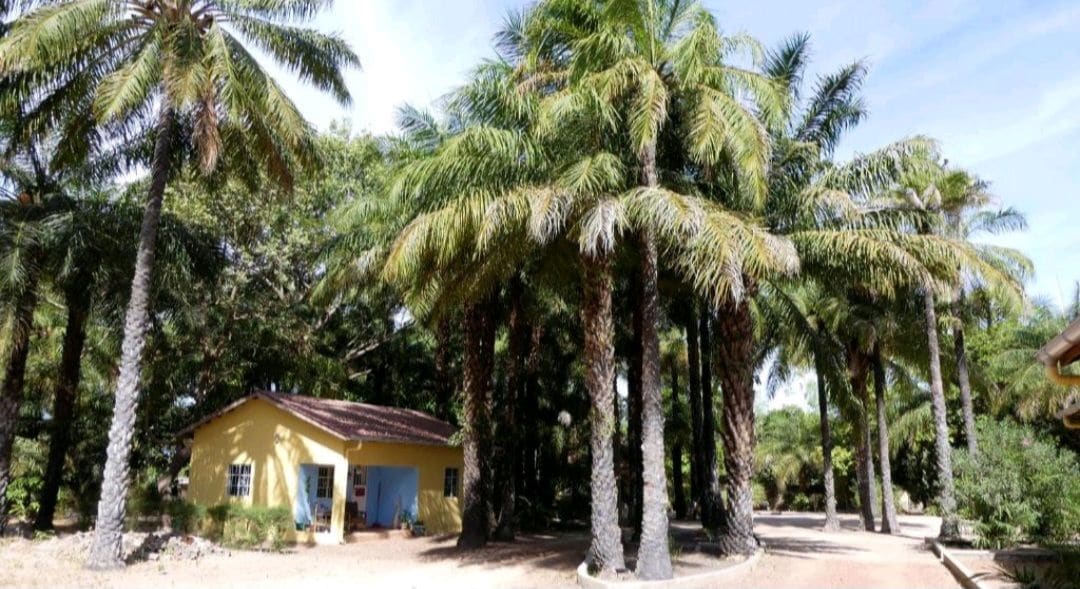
{"points": [[182, 59]]}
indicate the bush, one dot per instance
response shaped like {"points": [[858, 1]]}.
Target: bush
{"points": [[144, 502], [760, 498], [184, 517], [239, 526], [1019, 487]]}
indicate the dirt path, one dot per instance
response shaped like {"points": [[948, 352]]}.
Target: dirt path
{"points": [[799, 555]]}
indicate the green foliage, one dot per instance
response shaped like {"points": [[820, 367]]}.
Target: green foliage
{"points": [[1019, 487], [241, 526], [28, 477], [144, 502], [185, 517]]}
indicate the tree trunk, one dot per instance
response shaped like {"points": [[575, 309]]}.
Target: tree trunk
{"points": [[735, 355], [530, 406], [711, 500], [963, 377], [679, 501], [858, 365], [950, 524], [67, 389], [654, 557], [606, 549], [889, 523], [11, 395], [693, 364], [444, 383], [832, 522], [106, 550], [633, 412], [476, 488], [508, 432]]}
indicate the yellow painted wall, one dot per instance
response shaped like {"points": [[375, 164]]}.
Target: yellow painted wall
{"points": [[276, 443], [441, 515]]}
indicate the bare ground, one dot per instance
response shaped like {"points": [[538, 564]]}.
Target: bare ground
{"points": [[798, 555]]}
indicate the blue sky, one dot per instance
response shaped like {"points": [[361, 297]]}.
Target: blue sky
{"points": [[996, 82]]}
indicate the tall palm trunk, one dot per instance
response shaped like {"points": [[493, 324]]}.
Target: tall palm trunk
{"points": [[106, 550], [67, 387], [693, 364], [11, 394], [507, 430], [858, 365], [832, 522], [735, 355], [889, 523], [711, 501], [634, 466], [679, 501], [654, 557], [950, 524], [529, 471], [963, 377], [444, 386], [476, 488], [606, 549]]}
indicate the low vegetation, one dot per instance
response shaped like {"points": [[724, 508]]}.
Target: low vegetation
{"points": [[1020, 487]]}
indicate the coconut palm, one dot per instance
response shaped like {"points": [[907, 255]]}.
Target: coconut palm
{"points": [[811, 128], [805, 336], [185, 61], [89, 262], [967, 216], [643, 61], [23, 250], [940, 195]]}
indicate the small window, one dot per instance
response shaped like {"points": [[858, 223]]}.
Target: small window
{"points": [[450, 482], [324, 488], [239, 483]]}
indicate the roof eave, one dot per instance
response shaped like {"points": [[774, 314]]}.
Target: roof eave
{"points": [[1057, 348]]}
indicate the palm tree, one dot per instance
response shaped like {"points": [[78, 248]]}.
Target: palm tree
{"points": [[643, 60], [889, 523], [186, 60], [788, 453], [805, 138], [804, 335], [89, 259], [23, 250], [940, 195], [673, 350], [967, 215]]}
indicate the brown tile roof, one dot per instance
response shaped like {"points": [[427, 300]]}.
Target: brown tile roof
{"points": [[349, 420]]}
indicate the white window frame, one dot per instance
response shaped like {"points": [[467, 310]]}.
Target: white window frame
{"points": [[456, 490], [329, 488], [242, 491]]}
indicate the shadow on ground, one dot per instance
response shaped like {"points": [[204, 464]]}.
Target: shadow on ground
{"points": [[557, 552]]}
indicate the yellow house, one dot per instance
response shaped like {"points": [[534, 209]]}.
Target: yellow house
{"points": [[339, 466]]}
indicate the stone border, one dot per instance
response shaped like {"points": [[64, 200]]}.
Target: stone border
{"points": [[696, 580], [957, 568]]}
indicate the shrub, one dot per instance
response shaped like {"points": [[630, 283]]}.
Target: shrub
{"points": [[239, 526], [144, 502], [185, 518], [760, 498], [1019, 487]]}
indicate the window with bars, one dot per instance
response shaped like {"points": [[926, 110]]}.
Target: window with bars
{"points": [[239, 482], [324, 486], [450, 482]]}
